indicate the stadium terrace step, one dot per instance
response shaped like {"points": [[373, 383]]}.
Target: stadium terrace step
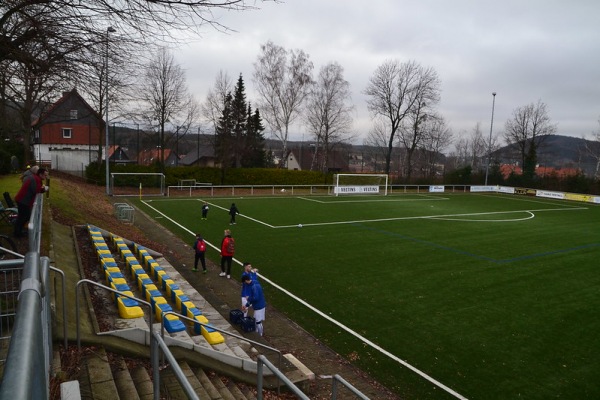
{"points": [[126, 387], [99, 376], [155, 274], [143, 383]]}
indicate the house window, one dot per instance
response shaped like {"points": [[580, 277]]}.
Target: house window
{"points": [[73, 114], [67, 133]]}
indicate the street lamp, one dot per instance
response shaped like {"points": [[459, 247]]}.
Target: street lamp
{"points": [[487, 168], [110, 29]]}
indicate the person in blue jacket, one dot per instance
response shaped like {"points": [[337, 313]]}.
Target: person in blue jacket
{"points": [[256, 300], [247, 289]]}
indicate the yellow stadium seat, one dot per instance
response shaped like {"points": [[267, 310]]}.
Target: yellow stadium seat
{"points": [[211, 335], [128, 310], [143, 280]]}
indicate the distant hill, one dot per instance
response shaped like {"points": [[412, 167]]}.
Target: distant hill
{"points": [[556, 151]]}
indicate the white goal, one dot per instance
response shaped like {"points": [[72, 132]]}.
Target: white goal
{"points": [[360, 184], [137, 184]]}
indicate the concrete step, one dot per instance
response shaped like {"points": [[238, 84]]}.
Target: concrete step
{"points": [[99, 375], [143, 383], [236, 391], [123, 380], [220, 386], [207, 384], [171, 388]]}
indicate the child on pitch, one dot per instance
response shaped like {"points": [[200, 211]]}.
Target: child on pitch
{"points": [[199, 253]]}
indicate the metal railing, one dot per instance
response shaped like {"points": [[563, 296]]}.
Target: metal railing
{"points": [[30, 348], [334, 387]]}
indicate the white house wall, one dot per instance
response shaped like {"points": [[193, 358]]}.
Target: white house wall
{"points": [[72, 160]]}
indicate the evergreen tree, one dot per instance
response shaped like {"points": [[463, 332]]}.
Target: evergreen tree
{"points": [[224, 135], [239, 141], [255, 155], [238, 114]]}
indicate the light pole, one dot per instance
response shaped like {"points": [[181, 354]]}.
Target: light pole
{"points": [[487, 168], [110, 29]]}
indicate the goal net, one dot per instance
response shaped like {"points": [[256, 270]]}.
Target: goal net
{"points": [[137, 184], [345, 184]]}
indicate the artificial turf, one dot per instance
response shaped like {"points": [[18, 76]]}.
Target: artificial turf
{"points": [[494, 296]]}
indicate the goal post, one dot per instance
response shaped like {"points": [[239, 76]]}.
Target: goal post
{"points": [[137, 184], [348, 184]]}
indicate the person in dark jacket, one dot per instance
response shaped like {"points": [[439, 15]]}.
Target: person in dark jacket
{"points": [[233, 211], [32, 185], [205, 210], [256, 300]]}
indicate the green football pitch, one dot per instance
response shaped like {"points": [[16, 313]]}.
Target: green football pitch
{"points": [[482, 296]]}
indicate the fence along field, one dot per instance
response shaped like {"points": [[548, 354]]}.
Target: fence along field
{"points": [[494, 296]]}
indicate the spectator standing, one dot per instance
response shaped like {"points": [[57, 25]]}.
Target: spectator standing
{"points": [[256, 300], [246, 289], [205, 210], [32, 185], [233, 211], [227, 252], [199, 250]]}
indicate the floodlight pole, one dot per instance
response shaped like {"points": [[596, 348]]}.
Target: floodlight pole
{"points": [[110, 29], [487, 168]]}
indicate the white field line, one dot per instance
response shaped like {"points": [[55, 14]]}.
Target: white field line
{"points": [[441, 217], [315, 200], [327, 317], [530, 215], [363, 339], [530, 200]]}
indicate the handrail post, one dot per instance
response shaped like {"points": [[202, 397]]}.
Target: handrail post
{"points": [[64, 307]]}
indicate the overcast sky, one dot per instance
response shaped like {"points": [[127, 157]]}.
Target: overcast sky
{"points": [[524, 50]]}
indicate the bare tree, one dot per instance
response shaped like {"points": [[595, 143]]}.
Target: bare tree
{"points": [[527, 129], [593, 149], [478, 147], [329, 108], [376, 142], [212, 108], [165, 99], [29, 86], [65, 22], [437, 138], [398, 90], [283, 80], [413, 131]]}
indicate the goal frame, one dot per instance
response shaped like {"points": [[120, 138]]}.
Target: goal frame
{"points": [[135, 191], [360, 189]]}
